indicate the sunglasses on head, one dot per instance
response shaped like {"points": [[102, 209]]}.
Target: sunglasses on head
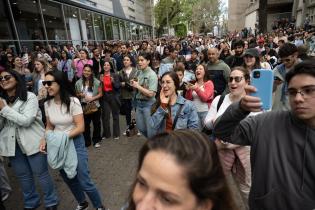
{"points": [[48, 83], [237, 79], [5, 77]]}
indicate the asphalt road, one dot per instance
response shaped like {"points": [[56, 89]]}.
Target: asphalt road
{"points": [[112, 167]]}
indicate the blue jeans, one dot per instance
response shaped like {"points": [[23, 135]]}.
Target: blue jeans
{"points": [[82, 181], [25, 168], [143, 114]]}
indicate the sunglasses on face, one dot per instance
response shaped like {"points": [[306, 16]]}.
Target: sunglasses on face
{"points": [[5, 77], [236, 79], [48, 83]]}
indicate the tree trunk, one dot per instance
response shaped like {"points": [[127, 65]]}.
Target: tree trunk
{"points": [[262, 16]]}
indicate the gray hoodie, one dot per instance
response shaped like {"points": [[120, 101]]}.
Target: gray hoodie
{"points": [[282, 157]]}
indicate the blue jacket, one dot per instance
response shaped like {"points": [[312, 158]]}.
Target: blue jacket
{"points": [[61, 153], [188, 117]]}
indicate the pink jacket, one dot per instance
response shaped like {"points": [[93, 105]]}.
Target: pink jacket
{"points": [[205, 95]]}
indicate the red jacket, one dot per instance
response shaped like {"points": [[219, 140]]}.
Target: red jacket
{"points": [[206, 95]]}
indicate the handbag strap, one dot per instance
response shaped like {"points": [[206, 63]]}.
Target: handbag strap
{"points": [[177, 115]]}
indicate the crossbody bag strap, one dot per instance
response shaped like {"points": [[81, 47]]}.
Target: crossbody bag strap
{"points": [[177, 115]]}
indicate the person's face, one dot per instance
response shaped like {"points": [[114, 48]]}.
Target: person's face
{"points": [[289, 61], [162, 185], [127, 62], [303, 106], [18, 62], [155, 62], [249, 60], [239, 50], [39, 66], [270, 39], [166, 51], [83, 55], [96, 53], [213, 55], [174, 54], [143, 63], [168, 86], [200, 72], [10, 57], [124, 49], [7, 82], [52, 87], [237, 83], [106, 67], [63, 54], [87, 72], [194, 56], [144, 45], [180, 75]]}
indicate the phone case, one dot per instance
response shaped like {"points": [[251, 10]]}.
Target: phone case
{"points": [[264, 85]]}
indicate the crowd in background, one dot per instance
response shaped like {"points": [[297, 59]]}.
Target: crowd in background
{"points": [[159, 85]]}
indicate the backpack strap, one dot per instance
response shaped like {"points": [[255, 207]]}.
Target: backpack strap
{"points": [[220, 101], [177, 115]]}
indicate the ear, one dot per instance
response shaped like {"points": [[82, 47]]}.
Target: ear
{"points": [[206, 205]]}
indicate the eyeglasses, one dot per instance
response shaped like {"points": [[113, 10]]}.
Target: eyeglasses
{"points": [[5, 77], [237, 79], [306, 92], [48, 83]]}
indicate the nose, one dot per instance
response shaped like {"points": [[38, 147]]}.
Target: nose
{"points": [[147, 202], [298, 97]]}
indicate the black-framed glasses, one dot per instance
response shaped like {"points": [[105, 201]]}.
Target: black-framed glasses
{"points": [[306, 92], [236, 79], [5, 77], [47, 82]]}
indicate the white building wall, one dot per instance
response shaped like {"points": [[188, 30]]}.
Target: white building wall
{"points": [[104, 5], [251, 19]]}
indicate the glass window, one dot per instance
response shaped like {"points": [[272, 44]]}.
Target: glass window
{"points": [[53, 17], [72, 22], [122, 29], [141, 32], [133, 28], [98, 26], [5, 29], [128, 35], [108, 27], [87, 25], [116, 28], [27, 19]]}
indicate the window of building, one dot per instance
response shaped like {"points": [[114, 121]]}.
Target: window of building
{"points": [[27, 19], [86, 25], [132, 17], [108, 27], [128, 31], [5, 26], [72, 23], [131, 9], [99, 27], [116, 28], [54, 21], [122, 29]]}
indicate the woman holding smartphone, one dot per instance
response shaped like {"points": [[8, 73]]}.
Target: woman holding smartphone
{"points": [[146, 87], [201, 93]]}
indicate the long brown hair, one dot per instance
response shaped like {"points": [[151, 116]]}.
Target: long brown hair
{"points": [[199, 158]]}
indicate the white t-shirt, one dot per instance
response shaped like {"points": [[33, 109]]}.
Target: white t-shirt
{"points": [[58, 115], [200, 105]]}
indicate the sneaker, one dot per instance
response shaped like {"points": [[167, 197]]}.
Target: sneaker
{"points": [[97, 145], [83, 206], [116, 138]]}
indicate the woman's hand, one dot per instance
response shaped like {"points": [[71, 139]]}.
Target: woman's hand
{"points": [[88, 99], [164, 99], [2, 104], [134, 84], [42, 146]]}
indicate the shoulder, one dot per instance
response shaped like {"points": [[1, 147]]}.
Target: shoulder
{"points": [[31, 95], [74, 100]]}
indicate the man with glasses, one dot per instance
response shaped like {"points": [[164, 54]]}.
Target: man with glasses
{"points": [[282, 143], [288, 54]]}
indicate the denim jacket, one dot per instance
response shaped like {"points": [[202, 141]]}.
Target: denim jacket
{"points": [[188, 117], [21, 122]]}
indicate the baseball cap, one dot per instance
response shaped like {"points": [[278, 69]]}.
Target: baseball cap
{"points": [[252, 52]]}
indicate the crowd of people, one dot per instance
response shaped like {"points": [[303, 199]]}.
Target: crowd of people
{"points": [[50, 97]]}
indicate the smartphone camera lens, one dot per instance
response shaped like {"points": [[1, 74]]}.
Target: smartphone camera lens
{"points": [[257, 74]]}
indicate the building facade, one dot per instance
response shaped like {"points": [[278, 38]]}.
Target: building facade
{"points": [[304, 9], [236, 18], [26, 23]]}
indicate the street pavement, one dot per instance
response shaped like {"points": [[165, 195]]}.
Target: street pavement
{"points": [[112, 167]]}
